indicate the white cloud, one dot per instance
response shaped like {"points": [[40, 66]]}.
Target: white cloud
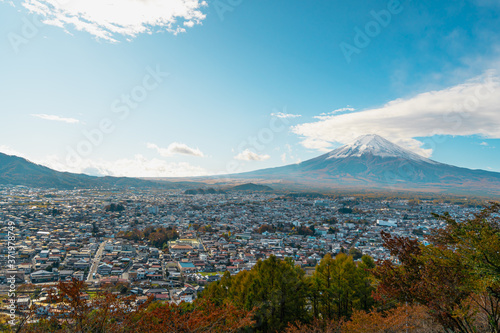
{"points": [[284, 115], [56, 118], [176, 148], [316, 144], [248, 155], [471, 108], [484, 143], [106, 19], [138, 166], [9, 151]]}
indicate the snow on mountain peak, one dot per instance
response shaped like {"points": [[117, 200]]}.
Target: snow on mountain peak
{"points": [[376, 145]]}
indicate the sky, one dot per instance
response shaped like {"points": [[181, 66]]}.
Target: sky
{"points": [[177, 88]]}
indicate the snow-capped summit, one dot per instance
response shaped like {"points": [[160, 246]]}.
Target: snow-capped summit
{"points": [[375, 145]]}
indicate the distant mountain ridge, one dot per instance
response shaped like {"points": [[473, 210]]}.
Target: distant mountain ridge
{"points": [[19, 171]]}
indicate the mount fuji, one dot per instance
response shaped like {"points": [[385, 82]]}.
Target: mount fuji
{"points": [[372, 162]]}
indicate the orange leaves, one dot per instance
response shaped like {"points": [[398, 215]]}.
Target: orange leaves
{"points": [[401, 319], [204, 316]]}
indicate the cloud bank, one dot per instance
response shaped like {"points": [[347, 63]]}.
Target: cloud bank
{"points": [[107, 19], [176, 148], [471, 108], [138, 166]]}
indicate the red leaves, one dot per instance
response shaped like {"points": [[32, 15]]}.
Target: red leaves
{"points": [[110, 313]]}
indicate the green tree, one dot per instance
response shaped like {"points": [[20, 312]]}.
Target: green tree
{"points": [[338, 286], [365, 284], [355, 253], [275, 288]]}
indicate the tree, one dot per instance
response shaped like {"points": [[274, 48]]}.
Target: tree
{"points": [[476, 242], [338, 286], [433, 276], [275, 289], [332, 230], [345, 210], [355, 253], [109, 313], [202, 316], [365, 284], [114, 207], [95, 230], [400, 319]]}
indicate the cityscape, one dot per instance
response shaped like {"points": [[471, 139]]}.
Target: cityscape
{"points": [[89, 234], [233, 166]]}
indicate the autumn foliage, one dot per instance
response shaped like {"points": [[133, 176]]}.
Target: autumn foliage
{"points": [[156, 236], [403, 318], [110, 313], [456, 277]]}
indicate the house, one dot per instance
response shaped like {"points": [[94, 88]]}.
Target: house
{"points": [[81, 264], [113, 281], [79, 275], [23, 302], [186, 267], [64, 274], [43, 276], [181, 248], [104, 269]]}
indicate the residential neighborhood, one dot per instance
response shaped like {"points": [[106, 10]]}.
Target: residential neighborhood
{"points": [[171, 244]]}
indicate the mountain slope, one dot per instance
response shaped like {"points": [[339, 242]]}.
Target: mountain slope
{"points": [[374, 162], [19, 171], [250, 187]]}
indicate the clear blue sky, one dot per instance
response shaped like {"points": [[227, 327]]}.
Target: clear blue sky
{"points": [[251, 84]]}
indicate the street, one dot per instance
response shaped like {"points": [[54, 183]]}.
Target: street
{"points": [[95, 262]]}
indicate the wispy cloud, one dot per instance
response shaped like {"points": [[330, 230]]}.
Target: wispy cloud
{"points": [[176, 148], [470, 108], [10, 2], [248, 155], [328, 115], [108, 19], [283, 115], [484, 143], [346, 109], [56, 118]]}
